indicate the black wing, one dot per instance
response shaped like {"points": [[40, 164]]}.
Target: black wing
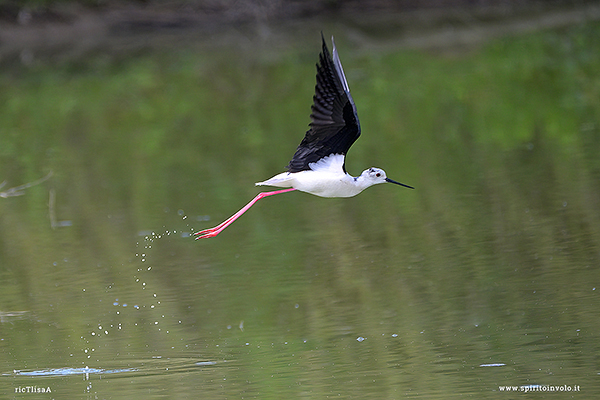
{"points": [[334, 127]]}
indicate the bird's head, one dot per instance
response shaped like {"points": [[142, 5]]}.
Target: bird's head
{"points": [[376, 175]]}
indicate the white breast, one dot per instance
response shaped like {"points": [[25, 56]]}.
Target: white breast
{"points": [[326, 178], [325, 184]]}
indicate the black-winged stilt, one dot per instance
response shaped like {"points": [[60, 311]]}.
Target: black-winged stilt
{"points": [[318, 166]]}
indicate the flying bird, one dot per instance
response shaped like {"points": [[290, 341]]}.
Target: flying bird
{"points": [[318, 165]]}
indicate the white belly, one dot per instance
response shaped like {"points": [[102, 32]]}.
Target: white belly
{"points": [[319, 183], [326, 185]]}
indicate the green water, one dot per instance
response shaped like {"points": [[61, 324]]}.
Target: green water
{"points": [[487, 274]]}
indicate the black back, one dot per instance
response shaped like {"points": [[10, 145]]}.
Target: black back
{"points": [[334, 127]]}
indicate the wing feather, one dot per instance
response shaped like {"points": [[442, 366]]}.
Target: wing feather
{"points": [[334, 123]]}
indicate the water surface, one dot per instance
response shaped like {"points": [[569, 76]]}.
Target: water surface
{"points": [[485, 275]]}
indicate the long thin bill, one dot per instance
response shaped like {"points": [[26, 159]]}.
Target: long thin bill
{"points": [[398, 183]]}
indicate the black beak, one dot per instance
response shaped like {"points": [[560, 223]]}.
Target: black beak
{"points": [[398, 183]]}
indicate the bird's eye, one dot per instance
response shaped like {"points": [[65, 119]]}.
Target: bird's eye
{"points": [[378, 174]]}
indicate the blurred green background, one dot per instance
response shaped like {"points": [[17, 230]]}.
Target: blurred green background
{"points": [[485, 275]]}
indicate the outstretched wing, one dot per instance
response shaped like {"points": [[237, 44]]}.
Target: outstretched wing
{"points": [[334, 127]]}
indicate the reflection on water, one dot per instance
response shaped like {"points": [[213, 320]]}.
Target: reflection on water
{"points": [[72, 371], [486, 275]]}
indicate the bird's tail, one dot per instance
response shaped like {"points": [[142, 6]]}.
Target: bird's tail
{"points": [[282, 180]]}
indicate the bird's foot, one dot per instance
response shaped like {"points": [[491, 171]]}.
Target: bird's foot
{"points": [[207, 233]]}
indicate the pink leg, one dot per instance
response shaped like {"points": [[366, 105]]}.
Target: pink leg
{"points": [[211, 232]]}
